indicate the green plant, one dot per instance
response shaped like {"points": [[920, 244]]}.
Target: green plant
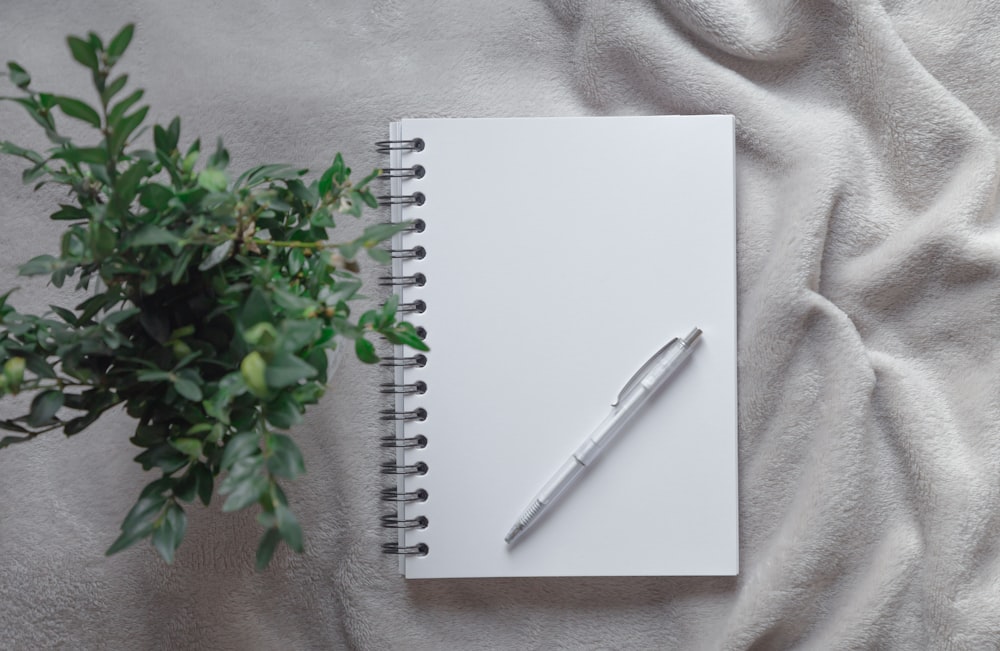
{"points": [[211, 305]]}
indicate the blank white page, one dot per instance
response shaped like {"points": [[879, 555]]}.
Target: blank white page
{"points": [[561, 254]]}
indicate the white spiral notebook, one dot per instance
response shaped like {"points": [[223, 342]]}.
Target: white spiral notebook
{"points": [[548, 260]]}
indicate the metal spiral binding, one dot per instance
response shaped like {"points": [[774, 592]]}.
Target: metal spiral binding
{"points": [[416, 199], [393, 521], [413, 414], [404, 418], [416, 253], [415, 306], [415, 172], [416, 360], [419, 549], [393, 495], [413, 387], [392, 468], [386, 146], [419, 441], [417, 279]]}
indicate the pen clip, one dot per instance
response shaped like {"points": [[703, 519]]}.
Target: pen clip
{"points": [[641, 373]]}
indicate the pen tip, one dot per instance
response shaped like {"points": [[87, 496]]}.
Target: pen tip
{"points": [[512, 535], [692, 336]]}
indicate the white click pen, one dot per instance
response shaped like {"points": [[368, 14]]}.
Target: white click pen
{"points": [[638, 390]]}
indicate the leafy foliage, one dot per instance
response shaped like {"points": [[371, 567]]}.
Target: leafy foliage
{"points": [[211, 304]]}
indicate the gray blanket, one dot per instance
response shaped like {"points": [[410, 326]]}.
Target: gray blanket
{"points": [[867, 184]]}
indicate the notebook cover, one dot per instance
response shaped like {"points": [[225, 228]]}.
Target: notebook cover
{"points": [[561, 253]]}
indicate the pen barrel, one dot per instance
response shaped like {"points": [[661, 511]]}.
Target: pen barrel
{"points": [[630, 404], [560, 481]]}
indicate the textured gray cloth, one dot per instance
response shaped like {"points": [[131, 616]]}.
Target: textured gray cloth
{"points": [[868, 266]]}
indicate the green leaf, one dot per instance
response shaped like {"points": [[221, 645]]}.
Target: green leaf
{"points": [[78, 109], [165, 140], [118, 110], [168, 534], [155, 196], [160, 140], [276, 172], [378, 233], [204, 482], [213, 180], [97, 155], [65, 314], [100, 173], [7, 441], [217, 256], [389, 308], [95, 41], [42, 264], [350, 203], [127, 539], [188, 389], [291, 302], [32, 173], [403, 333], [247, 491], [183, 489], [124, 129], [189, 446], [256, 308], [284, 457], [181, 265], [11, 426], [296, 334], [80, 423], [325, 183], [149, 235], [368, 198], [93, 305], [286, 369], [220, 158], [174, 132], [44, 408], [127, 185], [85, 53], [147, 436], [368, 319], [349, 249], [39, 366], [239, 447], [14, 150], [114, 88], [141, 518], [365, 350], [104, 239], [18, 75], [67, 212], [261, 335], [380, 255], [322, 218], [283, 412], [164, 457], [265, 551], [4, 308], [289, 528], [120, 43], [317, 359]]}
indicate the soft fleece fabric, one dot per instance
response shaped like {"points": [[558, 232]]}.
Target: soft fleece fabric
{"points": [[869, 250]]}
